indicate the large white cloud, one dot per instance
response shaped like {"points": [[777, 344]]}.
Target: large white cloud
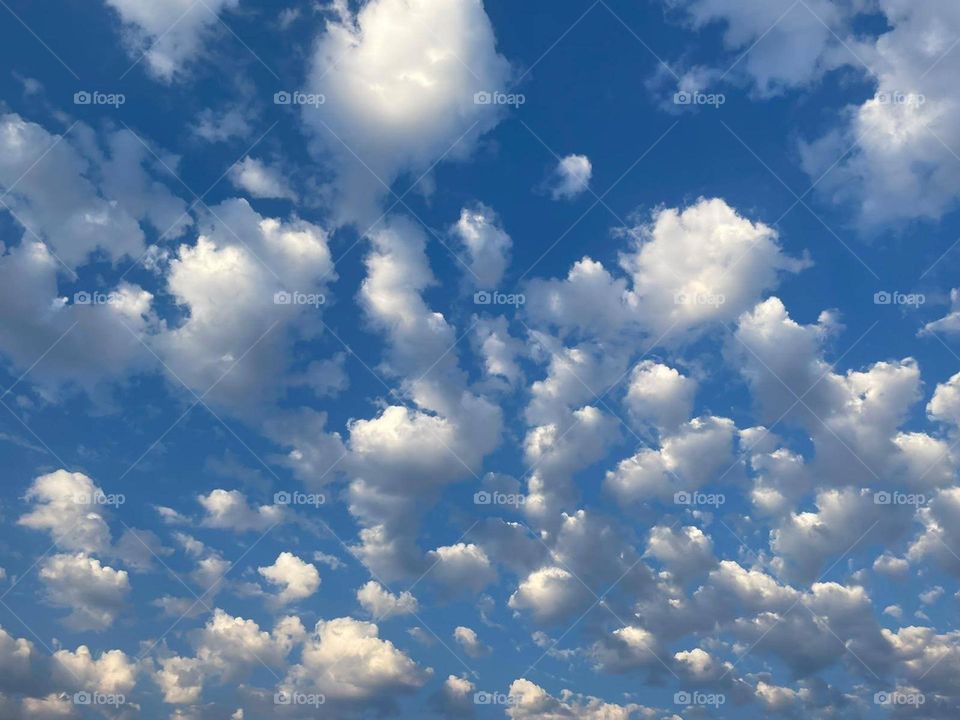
{"points": [[168, 35], [399, 79]]}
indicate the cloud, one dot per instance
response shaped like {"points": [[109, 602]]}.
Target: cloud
{"points": [[229, 510], [95, 594], [486, 243], [383, 604], [399, 79], [463, 567], [346, 660], [659, 396], [167, 36], [296, 578], [571, 177], [532, 702], [550, 594], [67, 506], [260, 180], [468, 640]]}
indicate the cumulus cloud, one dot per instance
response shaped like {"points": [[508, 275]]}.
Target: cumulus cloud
{"points": [[659, 396], [67, 506], [297, 579], [382, 604], [229, 510], [470, 642], [261, 180], [532, 702], [168, 36], [486, 243], [463, 567], [94, 593], [399, 78], [347, 661], [571, 177]]}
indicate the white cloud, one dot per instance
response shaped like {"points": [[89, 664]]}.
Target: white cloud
{"points": [[168, 35], [659, 395], [112, 672], [463, 567], [95, 594], [229, 510], [532, 702], [471, 644], [67, 508], [261, 180], [550, 594], [296, 578], [571, 177], [346, 661], [382, 604], [399, 79], [487, 245]]}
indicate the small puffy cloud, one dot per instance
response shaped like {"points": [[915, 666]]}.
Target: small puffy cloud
{"points": [[297, 579], [167, 36], [111, 672], [659, 396], [944, 406], [347, 661], [487, 245], [550, 594], [468, 640], [229, 510], [571, 177], [95, 594], [261, 180], [687, 552], [66, 505], [463, 567], [399, 78], [382, 604], [455, 698], [532, 702]]}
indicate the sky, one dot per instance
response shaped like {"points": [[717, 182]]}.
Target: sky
{"points": [[479, 359]]}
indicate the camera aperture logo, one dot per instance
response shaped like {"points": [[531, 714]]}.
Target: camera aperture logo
{"points": [[299, 498], [484, 497], [282, 297], [709, 299], [494, 297], [689, 698], [695, 497], [897, 698], [299, 698], [97, 298], [495, 97], [84, 697], [494, 698], [96, 97], [695, 97], [895, 297], [884, 497], [298, 97]]}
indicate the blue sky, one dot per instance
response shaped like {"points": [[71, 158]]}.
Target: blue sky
{"points": [[479, 359]]}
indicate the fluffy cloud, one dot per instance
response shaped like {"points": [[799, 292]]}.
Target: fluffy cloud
{"points": [[550, 594], [532, 702], [346, 661], [461, 568], [571, 177], [659, 396], [382, 604], [93, 593], [67, 506], [399, 79], [229, 510], [261, 180], [297, 579], [487, 245], [168, 36], [468, 640]]}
